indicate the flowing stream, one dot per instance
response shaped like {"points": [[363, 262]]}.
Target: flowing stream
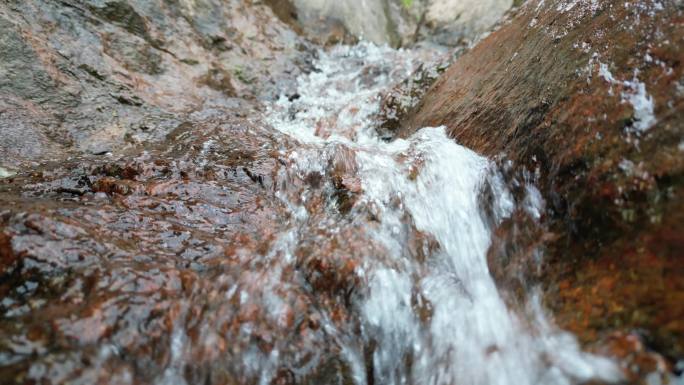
{"points": [[291, 246], [434, 316]]}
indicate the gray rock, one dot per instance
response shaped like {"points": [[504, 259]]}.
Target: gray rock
{"points": [[87, 76], [404, 22]]}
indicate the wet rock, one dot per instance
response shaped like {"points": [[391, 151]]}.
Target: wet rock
{"points": [[396, 22], [99, 76], [367, 19], [324, 30], [400, 101], [154, 230], [25, 132], [104, 258], [583, 99], [448, 20], [334, 372]]}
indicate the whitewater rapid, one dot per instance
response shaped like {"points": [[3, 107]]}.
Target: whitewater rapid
{"points": [[470, 335]]}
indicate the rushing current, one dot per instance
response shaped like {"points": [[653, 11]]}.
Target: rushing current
{"points": [[436, 316]]}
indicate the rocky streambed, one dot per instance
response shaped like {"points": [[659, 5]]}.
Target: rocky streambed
{"points": [[238, 192]]}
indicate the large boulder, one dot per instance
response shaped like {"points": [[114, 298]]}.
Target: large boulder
{"points": [[399, 22], [582, 102], [154, 267], [95, 76]]}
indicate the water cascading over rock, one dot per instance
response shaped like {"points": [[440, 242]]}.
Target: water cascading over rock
{"points": [[191, 192]]}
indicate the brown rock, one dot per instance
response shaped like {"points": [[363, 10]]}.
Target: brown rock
{"points": [[83, 76], [555, 91]]}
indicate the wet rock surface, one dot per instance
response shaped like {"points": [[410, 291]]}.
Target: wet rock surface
{"points": [[584, 100], [137, 192], [156, 227], [111, 261], [169, 265], [398, 23], [101, 76], [144, 218]]}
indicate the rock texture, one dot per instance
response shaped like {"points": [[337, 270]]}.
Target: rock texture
{"points": [[135, 192], [107, 263], [402, 22], [585, 100], [138, 188], [94, 76]]}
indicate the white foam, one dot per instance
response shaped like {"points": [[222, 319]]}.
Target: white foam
{"points": [[471, 337], [642, 102], [634, 93], [5, 173]]}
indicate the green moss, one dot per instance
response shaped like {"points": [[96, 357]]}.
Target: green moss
{"points": [[242, 74], [189, 61]]}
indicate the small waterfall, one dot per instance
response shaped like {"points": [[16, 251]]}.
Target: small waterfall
{"points": [[438, 319]]}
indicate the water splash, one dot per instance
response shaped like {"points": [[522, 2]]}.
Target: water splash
{"points": [[439, 320]]}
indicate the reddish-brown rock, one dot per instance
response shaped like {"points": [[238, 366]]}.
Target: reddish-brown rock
{"points": [[85, 76], [563, 90]]}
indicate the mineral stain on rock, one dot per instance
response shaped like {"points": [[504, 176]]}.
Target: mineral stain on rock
{"points": [[242, 192]]}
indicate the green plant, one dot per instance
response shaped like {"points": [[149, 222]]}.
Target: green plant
{"points": [[407, 3]]}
